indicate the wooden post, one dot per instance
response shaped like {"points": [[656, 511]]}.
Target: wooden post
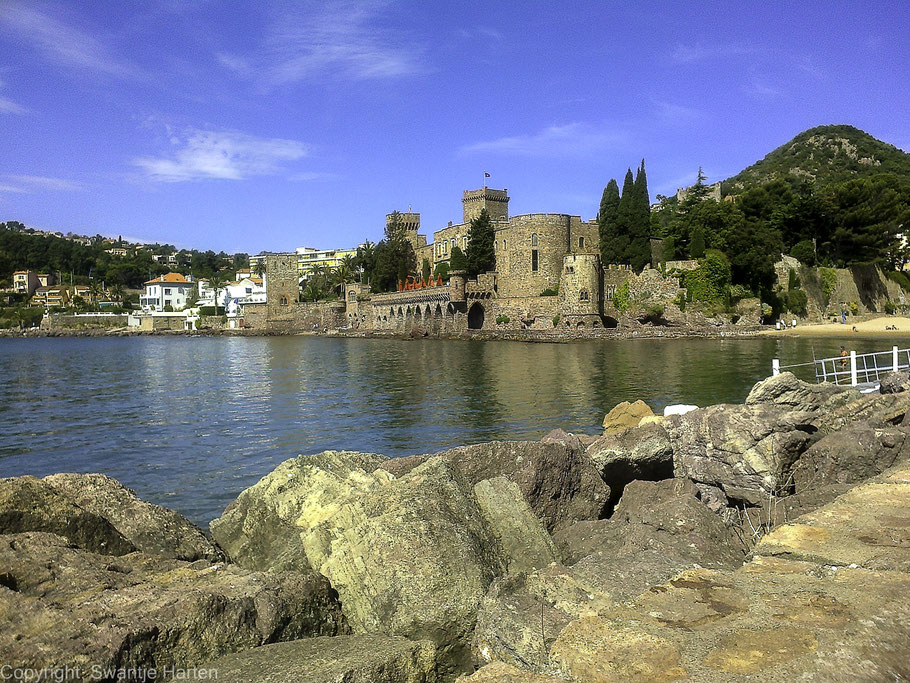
{"points": [[853, 368]]}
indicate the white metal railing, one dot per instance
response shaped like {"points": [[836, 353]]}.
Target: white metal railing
{"points": [[854, 369]]}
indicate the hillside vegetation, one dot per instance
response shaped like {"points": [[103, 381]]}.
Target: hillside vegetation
{"points": [[825, 155]]}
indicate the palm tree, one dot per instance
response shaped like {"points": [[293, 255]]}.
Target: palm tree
{"points": [[259, 268], [342, 276], [95, 291], [311, 292], [117, 292]]}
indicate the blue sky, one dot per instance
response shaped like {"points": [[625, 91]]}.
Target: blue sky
{"points": [[249, 126]]}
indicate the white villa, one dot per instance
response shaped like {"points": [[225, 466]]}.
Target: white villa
{"points": [[170, 289]]}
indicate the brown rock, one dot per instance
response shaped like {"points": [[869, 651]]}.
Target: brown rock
{"points": [[625, 415]]}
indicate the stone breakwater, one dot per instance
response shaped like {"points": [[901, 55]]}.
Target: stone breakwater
{"points": [[763, 541]]}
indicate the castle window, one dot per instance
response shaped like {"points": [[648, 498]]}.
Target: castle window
{"points": [[283, 301], [570, 269], [464, 242], [583, 295], [503, 244], [534, 239], [581, 242], [535, 260], [453, 243], [352, 295]]}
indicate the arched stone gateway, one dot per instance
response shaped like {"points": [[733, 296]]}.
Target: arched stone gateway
{"points": [[475, 316], [610, 322]]}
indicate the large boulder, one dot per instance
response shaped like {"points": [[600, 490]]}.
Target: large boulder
{"points": [[738, 454], [410, 555], [150, 528], [30, 504], [879, 410], [66, 607], [261, 528], [850, 456], [894, 383], [342, 659], [625, 415], [500, 672], [526, 544], [560, 483], [637, 453], [666, 517], [788, 390]]}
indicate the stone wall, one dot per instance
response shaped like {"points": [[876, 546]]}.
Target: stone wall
{"points": [[58, 321], [442, 241], [281, 284], [535, 313], [296, 317]]}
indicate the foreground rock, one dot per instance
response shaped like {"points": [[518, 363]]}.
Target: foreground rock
{"points": [[824, 599], [30, 504], [411, 555], [559, 482], [787, 389], [658, 530], [343, 659], [66, 607], [150, 528]]}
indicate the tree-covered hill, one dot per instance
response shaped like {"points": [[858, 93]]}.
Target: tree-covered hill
{"points": [[825, 155]]}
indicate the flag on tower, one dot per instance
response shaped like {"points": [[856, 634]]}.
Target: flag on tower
{"points": [[486, 175]]}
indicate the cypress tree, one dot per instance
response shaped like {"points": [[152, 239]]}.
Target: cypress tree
{"points": [[481, 256], [625, 218], [606, 222], [640, 221]]}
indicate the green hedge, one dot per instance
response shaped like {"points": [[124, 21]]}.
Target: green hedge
{"points": [[211, 310]]}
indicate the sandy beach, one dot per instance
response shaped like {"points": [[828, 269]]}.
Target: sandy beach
{"points": [[885, 326]]}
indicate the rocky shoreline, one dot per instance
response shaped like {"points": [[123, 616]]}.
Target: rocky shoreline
{"points": [[763, 541], [543, 336]]}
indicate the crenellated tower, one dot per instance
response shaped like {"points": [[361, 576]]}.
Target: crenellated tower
{"points": [[496, 202]]}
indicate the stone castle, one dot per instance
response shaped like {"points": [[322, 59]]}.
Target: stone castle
{"points": [[548, 274]]}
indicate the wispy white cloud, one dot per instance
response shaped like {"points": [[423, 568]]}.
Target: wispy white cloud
{"points": [[7, 106], [759, 87], [670, 112], [698, 52], [12, 188], [226, 155], [61, 42], [311, 176], [29, 183], [570, 140], [346, 39]]}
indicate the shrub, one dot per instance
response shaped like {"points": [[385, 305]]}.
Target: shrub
{"points": [[622, 299], [502, 320], [211, 310], [556, 320], [796, 301], [854, 308], [710, 281], [829, 282], [793, 281], [168, 309], [738, 292], [804, 252], [549, 291], [900, 278], [680, 301], [890, 308]]}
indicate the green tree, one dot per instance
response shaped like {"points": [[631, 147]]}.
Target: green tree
{"points": [[869, 213], [457, 259], [425, 269], [481, 255], [625, 217], [610, 249], [697, 245], [639, 250]]}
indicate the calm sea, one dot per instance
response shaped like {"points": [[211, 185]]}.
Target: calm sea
{"points": [[190, 422]]}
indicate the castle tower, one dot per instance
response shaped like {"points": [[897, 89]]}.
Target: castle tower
{"points": [[496, 202], [580, 285], [411, 223]]}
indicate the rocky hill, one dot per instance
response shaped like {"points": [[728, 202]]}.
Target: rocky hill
{"points": [[825, 154]]}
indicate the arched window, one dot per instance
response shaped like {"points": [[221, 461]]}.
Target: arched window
{"points": [[283, 301], [464, 242], [352, 295], [503, 244], [533, 239], [583, 295], [453, 243], [581, 242]]}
